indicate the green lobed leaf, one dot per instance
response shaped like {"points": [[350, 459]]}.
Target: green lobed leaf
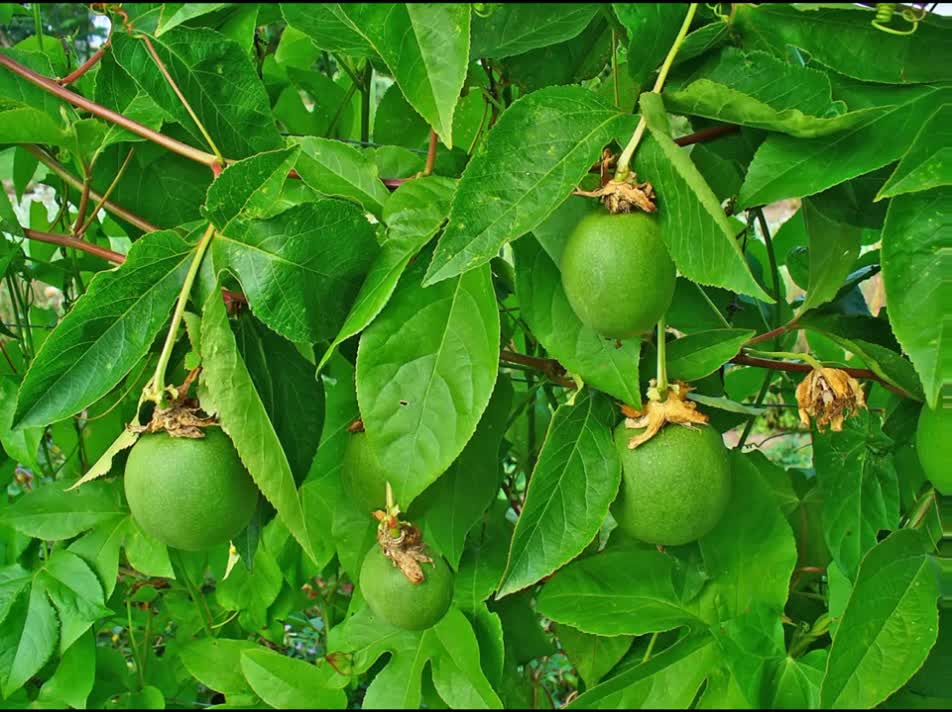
{"points": [[75, 592], [519, 27], [449, 647], [707, 252], [300, 269], [917, 238], [28, 639], [108, 330], [426, 48], [230, 392], [50, 513], [74, 677], [29, 125], [21, 445], [217, 79], [652, 28], [928, 161], [341, 171], [753, 528], [425, 371], [790, 167], [504, 193], [575, 480], [287, 683], [183, 12], [834, 248], [599, 595], [844, 39], [413, 215], [858, 481], [544, 306], [892, 608], [248, 189], [451, 506], [483, 560], [116, 90], [796, 682], [700, 354], [757, 89], [16, 92], [328, 26], [216, 662]]}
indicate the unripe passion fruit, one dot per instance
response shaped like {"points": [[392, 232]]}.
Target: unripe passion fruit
{"points": [[617, 273], [675, 487], [392, 597], [934, 446], [189, 493]]}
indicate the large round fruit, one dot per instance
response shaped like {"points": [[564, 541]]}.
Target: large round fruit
{"points": [[392, 597], [617, 274], [363, 475], [190, 494], [674, 487], [934, 446]]}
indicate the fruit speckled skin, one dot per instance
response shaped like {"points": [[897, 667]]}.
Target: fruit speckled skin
{"points": [[392, 597], [675, 487], [617, 273], [934, 446], [191, 494]]}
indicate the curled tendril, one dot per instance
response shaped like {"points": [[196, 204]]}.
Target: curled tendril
{"points": [[484, 9], [715, 7], [884, 15]]}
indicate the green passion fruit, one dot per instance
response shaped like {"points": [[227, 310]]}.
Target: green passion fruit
{"points": [[392, 597], [189, 493], [675, 487], [617, 273], [934, 446]]}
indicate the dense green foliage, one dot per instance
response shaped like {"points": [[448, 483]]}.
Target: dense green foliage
{"points": [[362, 244]]}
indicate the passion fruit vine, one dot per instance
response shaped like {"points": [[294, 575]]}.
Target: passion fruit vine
{"points": [[617, 273], [189, 493]]}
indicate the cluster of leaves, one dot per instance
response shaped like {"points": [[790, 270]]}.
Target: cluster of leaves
{"points": [[392, 213]]}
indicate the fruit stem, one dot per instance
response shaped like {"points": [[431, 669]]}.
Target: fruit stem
{"points": [[156, 392], [393, 523], [662, 362], [787, 354], [622, 171]]}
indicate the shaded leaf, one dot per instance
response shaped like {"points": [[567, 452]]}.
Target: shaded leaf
{"points": [[518, 27], [697, 355], [287, 683], [652, 28], [834, 248], [302, 268], [593, 655], [50, 513]]}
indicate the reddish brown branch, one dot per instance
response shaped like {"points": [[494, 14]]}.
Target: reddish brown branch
{"points": [[81, 102], [744, 360], [76, 183], [430, 154], [85, 66], [773, 333], [76, 244], [705, 135]]}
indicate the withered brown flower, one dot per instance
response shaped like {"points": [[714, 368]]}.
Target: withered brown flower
{"points": [[829, 395], [407, 551], [656, 413]]}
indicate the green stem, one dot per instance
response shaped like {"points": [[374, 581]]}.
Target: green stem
{"points": [[365, 103], [774, 271], [651, 647], [750, 421], [134, 646], [157, 391], [340, 110], [38, 25], [712, 305], [621, 171], [787, 354], [193, 592], [615, 88], [662, 362]]}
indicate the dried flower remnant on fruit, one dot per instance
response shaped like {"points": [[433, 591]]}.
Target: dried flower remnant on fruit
{"points": [[656, 413], [407, 550], [828, 395], [624, 196]]}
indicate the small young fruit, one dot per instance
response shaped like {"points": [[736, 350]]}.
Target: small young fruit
{"points": [[617, 273], [363, 475], [189, 493], [392, 597], [675, 487], [934, 446]]}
